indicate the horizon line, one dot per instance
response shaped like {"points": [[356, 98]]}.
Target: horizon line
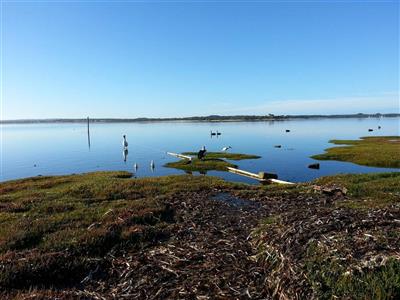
{"points": [[264, 116]]}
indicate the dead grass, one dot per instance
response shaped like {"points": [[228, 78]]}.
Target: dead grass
{"points": [[335, 238]]}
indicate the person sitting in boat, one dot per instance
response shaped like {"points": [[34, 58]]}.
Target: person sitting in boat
{"points": [[202, 153]]}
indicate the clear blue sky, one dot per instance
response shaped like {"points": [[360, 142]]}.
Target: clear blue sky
{"points": [[160, 59]]}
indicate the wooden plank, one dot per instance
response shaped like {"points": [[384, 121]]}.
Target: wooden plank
{"points": [[261, 176], [246, 174], [180, 155], [238, 171], [280, 181]]}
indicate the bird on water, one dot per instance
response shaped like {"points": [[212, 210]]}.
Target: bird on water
{"points": [[226, 148], [125, 154]]}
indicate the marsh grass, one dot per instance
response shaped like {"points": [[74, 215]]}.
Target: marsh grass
{"points": [[383, 151], [332, 280], [226, 155], [197, 165], [213, 161], [55, 230], [63, 222], [367, 190]]}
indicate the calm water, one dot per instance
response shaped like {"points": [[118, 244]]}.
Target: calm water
{"points": [[50, 149]]}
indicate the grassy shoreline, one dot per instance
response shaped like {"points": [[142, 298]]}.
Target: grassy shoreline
{"points": [[56, 231], [374, 151]]}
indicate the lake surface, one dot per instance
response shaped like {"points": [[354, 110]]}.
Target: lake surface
{"points": [[54, 149]]}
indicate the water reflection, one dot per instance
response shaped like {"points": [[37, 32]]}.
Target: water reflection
{"points": [[88, 133], [125, 154], [88, 139]]}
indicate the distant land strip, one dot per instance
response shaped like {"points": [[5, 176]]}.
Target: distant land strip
{"points": [[211, 118]]}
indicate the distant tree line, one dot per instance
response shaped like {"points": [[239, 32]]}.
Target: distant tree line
{"points": [[211, 118]]}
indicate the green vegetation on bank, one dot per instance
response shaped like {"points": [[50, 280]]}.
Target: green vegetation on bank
{"points": [[226, 155], [53, 229], [197, 165], [367, 190], [376, 151], [212, 161]]}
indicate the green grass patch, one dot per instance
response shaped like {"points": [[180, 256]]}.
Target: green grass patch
{"points": [[197, 165], [381, 151], [331, 279], [212, 161], [226, 155]]}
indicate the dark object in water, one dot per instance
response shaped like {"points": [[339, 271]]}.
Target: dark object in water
{"points": [[314, 166], [379, 127], [287, 130], [278, 146], [370, 129], [212, 133], [218, 133]]}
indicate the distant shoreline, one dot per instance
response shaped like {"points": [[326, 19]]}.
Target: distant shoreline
{"points": [[211, 118]]}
